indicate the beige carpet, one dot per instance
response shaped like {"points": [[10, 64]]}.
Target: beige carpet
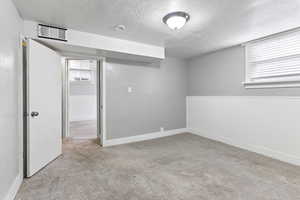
{"points": [[181, 167], [83, 129]]}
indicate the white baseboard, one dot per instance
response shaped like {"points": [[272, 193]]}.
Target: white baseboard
{"points": [[84, 118], [257, 149], [84, 138], [143, 137], [14, 188]]}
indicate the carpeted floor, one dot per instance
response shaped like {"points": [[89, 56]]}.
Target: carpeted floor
{"points": [[181, 167], [83, 129]]}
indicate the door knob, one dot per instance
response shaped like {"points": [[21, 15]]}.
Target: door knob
{"points": [[34, 114]]}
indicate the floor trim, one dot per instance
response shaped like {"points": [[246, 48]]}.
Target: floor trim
{"points": [[253, 148], [14, 188], [84, 138], [143, 137]]}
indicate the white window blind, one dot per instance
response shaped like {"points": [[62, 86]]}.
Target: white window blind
{"points": [[82, 70], [80, 75], [274, 61]]}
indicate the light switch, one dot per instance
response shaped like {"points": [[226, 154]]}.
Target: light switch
{"points": [[129, 89]]}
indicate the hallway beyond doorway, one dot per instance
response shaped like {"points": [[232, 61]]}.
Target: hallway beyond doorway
{"points": [[83, 129]]}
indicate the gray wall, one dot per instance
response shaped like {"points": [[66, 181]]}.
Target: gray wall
{"points": [[221, 74], [10, 24], [157, 98]]}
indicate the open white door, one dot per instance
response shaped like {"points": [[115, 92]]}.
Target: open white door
{"points": [[44, 106]]}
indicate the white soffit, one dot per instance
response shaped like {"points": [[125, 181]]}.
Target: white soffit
{"points": [[98, 45]]}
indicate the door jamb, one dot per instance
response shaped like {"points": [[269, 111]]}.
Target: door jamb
{"points": [[23, 42]]}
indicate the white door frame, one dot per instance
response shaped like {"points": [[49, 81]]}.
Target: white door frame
{"points": [[101, 96]]}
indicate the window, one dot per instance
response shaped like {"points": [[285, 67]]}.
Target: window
{"points": [[82, 70], [80, 75], [274, 61]]}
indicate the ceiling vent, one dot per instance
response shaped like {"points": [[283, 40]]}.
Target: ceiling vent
{"points": [[52, 32]]}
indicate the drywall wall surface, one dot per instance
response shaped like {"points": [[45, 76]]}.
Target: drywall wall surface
{"points": [[11, 27], [83, 101], [219, 107], [141, 99], [221, 74], [83, 107]]}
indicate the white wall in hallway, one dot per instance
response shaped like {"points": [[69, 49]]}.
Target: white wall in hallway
{"points": [[83, 94], [83, 107], [267, 125], [10, 151]]}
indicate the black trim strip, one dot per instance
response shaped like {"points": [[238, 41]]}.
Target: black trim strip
{"points": [[25, 107], [53, 38], [53, 27]]}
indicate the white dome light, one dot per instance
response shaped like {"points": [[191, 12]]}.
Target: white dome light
{"points": [[176, 20]]}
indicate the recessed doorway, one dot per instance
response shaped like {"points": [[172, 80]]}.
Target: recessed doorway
{"points": [[82, 113], [82, 99]]}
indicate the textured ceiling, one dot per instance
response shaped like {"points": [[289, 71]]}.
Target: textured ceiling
{"points": [[214, 24]]}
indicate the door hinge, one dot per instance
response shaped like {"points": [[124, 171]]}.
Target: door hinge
{"points": [[24, 44]]}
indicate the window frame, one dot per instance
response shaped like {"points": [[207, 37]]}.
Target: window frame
{"points": [[248, 84], [81, 79]]}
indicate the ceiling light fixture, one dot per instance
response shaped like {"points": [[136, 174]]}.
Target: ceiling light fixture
{"points": [[176, 20], [120, 27]]}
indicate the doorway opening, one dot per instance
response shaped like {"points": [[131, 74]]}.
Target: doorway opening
{"points": [[82, 98]]}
